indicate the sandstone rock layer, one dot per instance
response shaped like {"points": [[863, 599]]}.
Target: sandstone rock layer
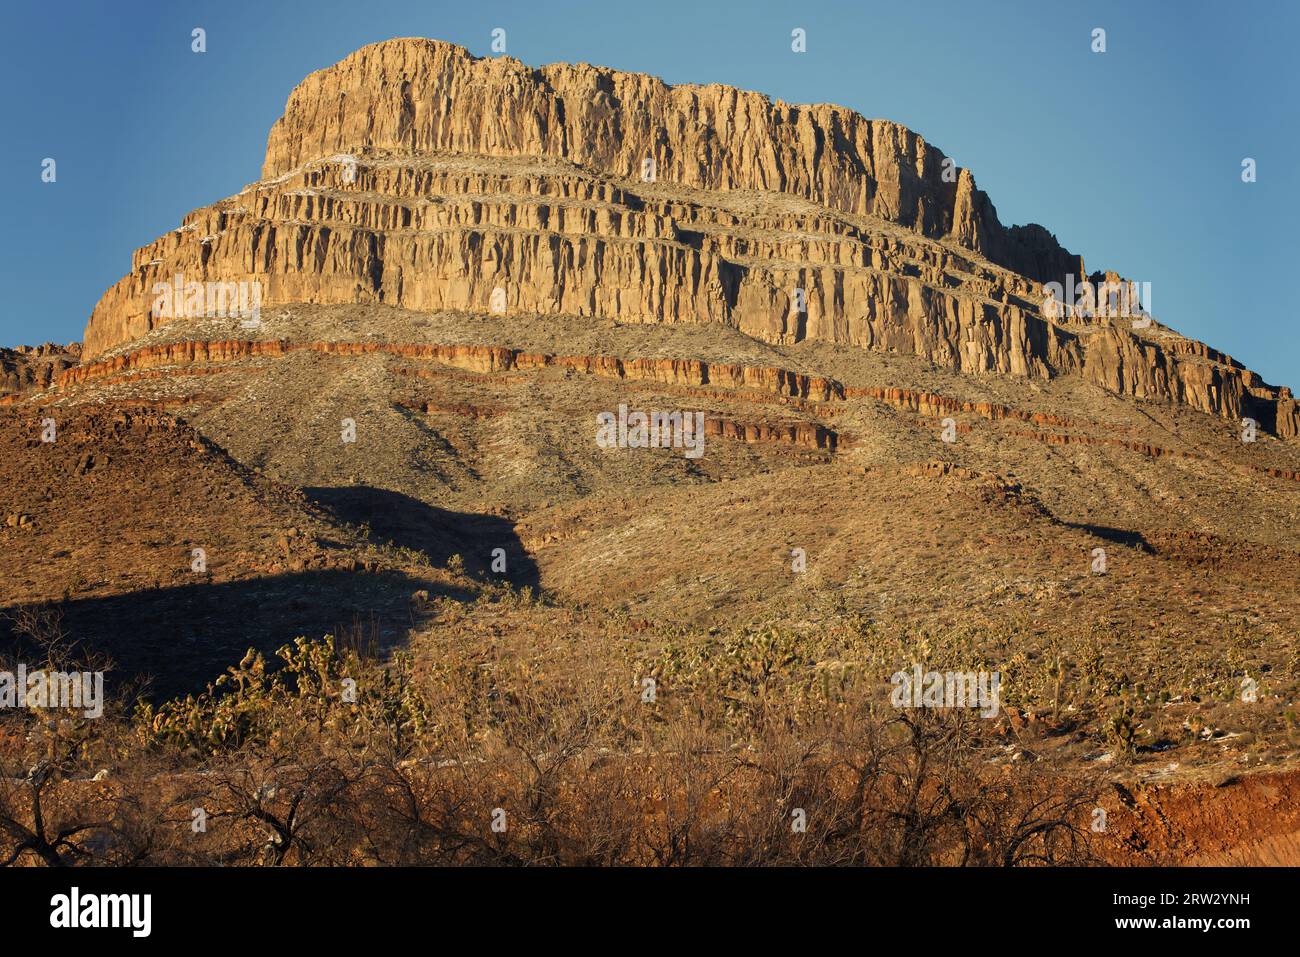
{"points": [[415, 175]]}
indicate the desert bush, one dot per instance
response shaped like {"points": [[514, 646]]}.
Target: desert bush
{"points": [[508, 744]]}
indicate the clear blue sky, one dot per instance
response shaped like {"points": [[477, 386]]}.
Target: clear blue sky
{"points": [[1131, 157]]}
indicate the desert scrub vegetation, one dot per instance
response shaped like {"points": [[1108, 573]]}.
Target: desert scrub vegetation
{"points": [[1105, 692], [515, 731], [512, 734]]}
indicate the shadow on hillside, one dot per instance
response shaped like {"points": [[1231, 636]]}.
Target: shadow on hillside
{"points": [[436, 533], [182, 638], [1118, 536]]}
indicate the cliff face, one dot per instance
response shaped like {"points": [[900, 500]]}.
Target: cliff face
{"points": [[29, 368], [413, 174], [437, 98]]}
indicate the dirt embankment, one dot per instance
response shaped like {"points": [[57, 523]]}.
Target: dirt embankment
{"points": [[1250, 820]]}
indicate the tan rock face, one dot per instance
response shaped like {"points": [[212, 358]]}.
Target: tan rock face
{"points": [[437, 98], [413, 174]]}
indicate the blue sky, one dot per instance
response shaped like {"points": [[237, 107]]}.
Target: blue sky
{"points": [[1132, 157]]}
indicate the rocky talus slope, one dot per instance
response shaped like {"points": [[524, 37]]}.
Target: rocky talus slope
{"points": [[415, 175]]}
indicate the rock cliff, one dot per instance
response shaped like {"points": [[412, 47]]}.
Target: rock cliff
{"points": [[415, 175], [34, 367]]}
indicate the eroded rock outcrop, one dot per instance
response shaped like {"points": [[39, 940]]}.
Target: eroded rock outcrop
{"points": [[415, 175], [692, 372], [29, 368]]}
